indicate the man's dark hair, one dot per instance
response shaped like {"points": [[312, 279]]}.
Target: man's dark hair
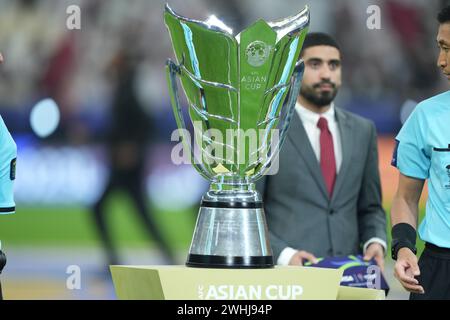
{"points": [[319, 39], [444, 15]]}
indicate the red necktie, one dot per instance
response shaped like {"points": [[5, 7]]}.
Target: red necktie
{"points": [[327, 158]]}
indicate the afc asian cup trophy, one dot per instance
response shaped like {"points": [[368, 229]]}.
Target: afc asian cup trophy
{"points": [[241, 92]]}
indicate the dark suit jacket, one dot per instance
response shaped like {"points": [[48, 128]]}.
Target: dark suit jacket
{"points": [[300, 213]]}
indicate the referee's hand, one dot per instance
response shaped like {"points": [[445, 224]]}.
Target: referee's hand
{"points": [[406, 269]]}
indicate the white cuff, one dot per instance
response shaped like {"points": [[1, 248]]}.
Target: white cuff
{"points": [[375, 240], [286, 256]]}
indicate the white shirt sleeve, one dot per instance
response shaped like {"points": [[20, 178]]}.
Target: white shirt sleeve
{"points": [[286, 256], [375, 240]]}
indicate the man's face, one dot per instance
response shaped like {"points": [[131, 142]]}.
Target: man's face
{"points": [[1, 58], [322, 77], [443, 40]]}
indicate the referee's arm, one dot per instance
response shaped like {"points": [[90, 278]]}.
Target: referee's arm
{"points": [[404, 219], [1, 253]]}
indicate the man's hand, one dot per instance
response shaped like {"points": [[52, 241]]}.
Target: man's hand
{"points": [[1, 58], [375, 251], [301, 257], [406, 269]]}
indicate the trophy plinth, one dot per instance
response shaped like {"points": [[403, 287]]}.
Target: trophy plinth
{"points": [[241, 92]]}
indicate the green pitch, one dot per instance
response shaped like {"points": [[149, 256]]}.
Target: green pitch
{"points": [[74, 226]]}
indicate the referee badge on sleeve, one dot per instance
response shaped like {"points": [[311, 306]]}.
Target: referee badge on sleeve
{"points": [[394, 156], [448, 175], [12, 170]]}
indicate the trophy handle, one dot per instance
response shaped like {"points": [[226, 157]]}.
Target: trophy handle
{"points": [[172, 71], [291, 102]]}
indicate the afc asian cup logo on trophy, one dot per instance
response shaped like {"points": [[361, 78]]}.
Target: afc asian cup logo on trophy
{"points": [[257, 53], [241, 91]]}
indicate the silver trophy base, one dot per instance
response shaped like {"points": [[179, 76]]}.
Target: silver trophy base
{"points": [[231, 234]]}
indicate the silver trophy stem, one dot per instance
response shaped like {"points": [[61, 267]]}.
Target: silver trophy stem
{"points": [[231, 230]]}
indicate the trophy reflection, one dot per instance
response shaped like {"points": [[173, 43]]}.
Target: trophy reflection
{"points": [[241, 92]]}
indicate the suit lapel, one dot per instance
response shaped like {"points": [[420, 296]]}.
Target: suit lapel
{"points": [[347, 141], [297, 135]]}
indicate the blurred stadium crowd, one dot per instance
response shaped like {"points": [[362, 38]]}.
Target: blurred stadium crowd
{"points": [[385, 71], [382, 68]]}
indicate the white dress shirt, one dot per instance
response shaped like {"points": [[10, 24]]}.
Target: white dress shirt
{"points": [[310, 120]]}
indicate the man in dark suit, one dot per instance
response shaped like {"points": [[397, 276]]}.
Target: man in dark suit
{"points": [[325, 199]]}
